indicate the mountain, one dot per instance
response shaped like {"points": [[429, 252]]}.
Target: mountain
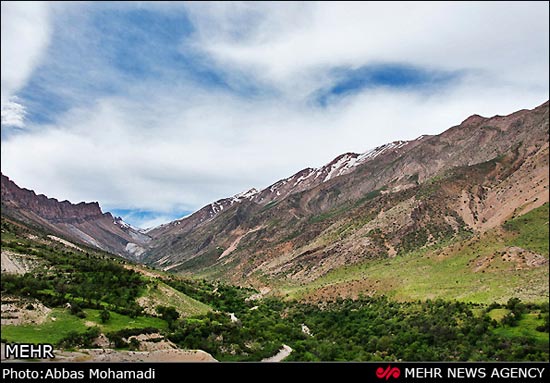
{"points": [[446, 192], [444, 237], [201, 216], [399, 197], [82, 222], [303, 180]]}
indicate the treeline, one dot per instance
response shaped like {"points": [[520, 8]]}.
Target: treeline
{"points": [[219, 296], [369, 329], [380, 329], [84, 280]]}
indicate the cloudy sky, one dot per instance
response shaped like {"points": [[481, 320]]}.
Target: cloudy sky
{"points": [[156, 109]]}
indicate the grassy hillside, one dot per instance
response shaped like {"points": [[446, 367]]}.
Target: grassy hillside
{"points": [[478, 269], [79, 285], [530, 231], [160, 294], [60, 323]]}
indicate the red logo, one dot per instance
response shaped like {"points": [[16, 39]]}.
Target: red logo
{"points": [[389, 372]]}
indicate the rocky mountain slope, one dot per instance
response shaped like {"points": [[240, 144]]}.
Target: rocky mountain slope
{"points": [[392, 200], [303, 180], [83, 222], [389, 201]]}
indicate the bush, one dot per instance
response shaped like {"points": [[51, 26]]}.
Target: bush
{"points": [[169, 314], [105, 316], [75, 309], [74, 339], [134, 344], [546, 326]]}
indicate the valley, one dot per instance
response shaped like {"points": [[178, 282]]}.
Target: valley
{"points": [[233, 323], [429, 249]]}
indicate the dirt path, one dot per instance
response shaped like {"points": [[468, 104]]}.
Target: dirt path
{"points": [[66, 243], [15, 263], [282, 354], [235, 243]]}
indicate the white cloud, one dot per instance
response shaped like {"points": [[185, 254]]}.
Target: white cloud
{"points": [[13, 113], [288, 45], [26, 33], [128, 155]]}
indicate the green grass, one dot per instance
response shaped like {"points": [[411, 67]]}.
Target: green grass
{"points": [[454, 273], [498, 314], [119, 322], [269, 206], [531, 230], [164, 295], [8, 237], [48, 332], [526, 328], [329, 214], [53, 331], [423, 274]]}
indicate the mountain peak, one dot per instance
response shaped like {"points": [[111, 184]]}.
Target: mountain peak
{"points": [[474, 119], [368, 205], [83, 222], [246, 194]]}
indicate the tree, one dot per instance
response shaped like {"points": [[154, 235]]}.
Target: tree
{"points": [[546, 326], [515, 305], [169, 314], [105, 316], [134, 344], [75, 309], [117, 340]]}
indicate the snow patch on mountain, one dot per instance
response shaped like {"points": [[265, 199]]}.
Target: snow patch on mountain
{"points": [[125, 225], [341, 165], [244, 195], [346, 162], [302, 180], [305, 177]]}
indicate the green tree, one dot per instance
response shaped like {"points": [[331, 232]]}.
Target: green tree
{"points": [[105, 316], [134, 344], [169, 314]]}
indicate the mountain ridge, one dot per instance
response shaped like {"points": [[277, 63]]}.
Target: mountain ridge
{"points": [[83, 222], [264, 196], [281, 236], [379, 203], [340, 165]]}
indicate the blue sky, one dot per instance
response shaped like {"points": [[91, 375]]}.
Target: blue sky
{"points": [[156, 109], [399, 76]]}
